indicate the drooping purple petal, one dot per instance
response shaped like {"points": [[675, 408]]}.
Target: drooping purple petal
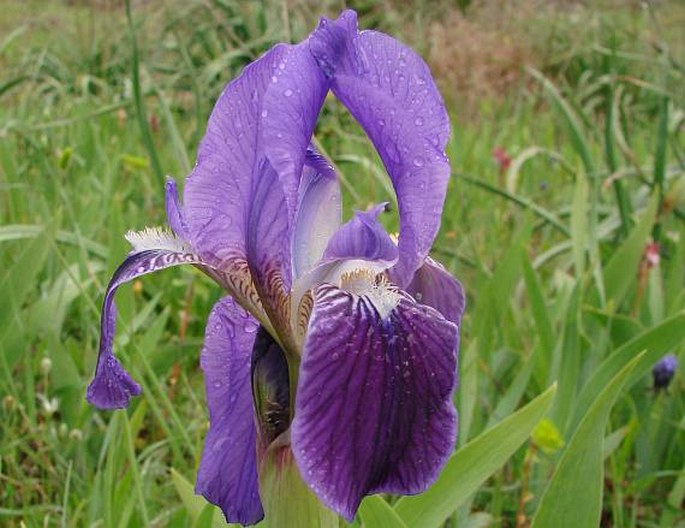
{"points": [[318, 214], [374, 409], [363, 237], [434, 286], [291, 106], [227, 475], [174, 211], [389, 89], [112, 387]]}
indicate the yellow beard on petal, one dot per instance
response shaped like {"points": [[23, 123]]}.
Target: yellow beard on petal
{"points": [[374, 286]]}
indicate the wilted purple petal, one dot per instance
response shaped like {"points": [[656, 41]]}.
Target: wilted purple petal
{"points": [[374, 409], [228, 470], [434, 286], [174, 211], [291, 106], [112, 387], [318, 214], [389, 89], [363, 237]]}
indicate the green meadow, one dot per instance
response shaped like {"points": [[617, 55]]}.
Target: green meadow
{"points": [[564, 220]]}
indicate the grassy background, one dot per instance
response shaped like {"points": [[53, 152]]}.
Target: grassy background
{"points": [[584, 104]]}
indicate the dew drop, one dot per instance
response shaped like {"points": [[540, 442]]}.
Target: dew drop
{"points": [[418, 121], [418, 162], [265, 113], [288, 92]]}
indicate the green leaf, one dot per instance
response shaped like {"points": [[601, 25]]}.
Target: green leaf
{"points": [[579, 224], [574, 496], [621, 270], [657, 341], [572, 121], [472, 465], [375, 512], [194, 504]]}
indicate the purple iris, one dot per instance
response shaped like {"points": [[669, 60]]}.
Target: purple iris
{"points": [[336, 341]]}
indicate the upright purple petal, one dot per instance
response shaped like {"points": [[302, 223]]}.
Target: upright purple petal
{"points": [[239, 200], [228, 470], [389, 89], [290, 109], [374, 409], [112, 387], [434, 286], [318, 213], [218, 193]]}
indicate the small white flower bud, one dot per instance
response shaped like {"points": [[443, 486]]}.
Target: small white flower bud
{"points": [[45, 366]]}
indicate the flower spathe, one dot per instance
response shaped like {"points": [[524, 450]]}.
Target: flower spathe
{"points": [[333, 340]]}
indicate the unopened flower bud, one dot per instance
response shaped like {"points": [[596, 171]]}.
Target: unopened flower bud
{"points": [[45, 366], [664, 370]]}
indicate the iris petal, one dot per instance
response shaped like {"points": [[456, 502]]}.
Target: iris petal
{"points": [[360, 243], [374, 409], [291, 106], [434, 286], [318, 213], [389, 89], [174, 211], [112, 387], [228, 470], [363, 237]]}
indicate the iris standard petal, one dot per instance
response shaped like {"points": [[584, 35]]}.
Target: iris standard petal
{"points": [[291, 106], [228, 470], [434, 286], [112, 387], [218, 194], [318, 215], [374, 409], [389, 89]]}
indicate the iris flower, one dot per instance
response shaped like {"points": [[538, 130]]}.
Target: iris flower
{"points": [[336, 343]]}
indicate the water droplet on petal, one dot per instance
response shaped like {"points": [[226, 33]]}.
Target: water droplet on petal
{"points": [[418, 121], [418, 162], [288, 93]]}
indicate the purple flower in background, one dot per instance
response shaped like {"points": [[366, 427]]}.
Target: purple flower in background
{"points": [[333, 340], [664, 370]]}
